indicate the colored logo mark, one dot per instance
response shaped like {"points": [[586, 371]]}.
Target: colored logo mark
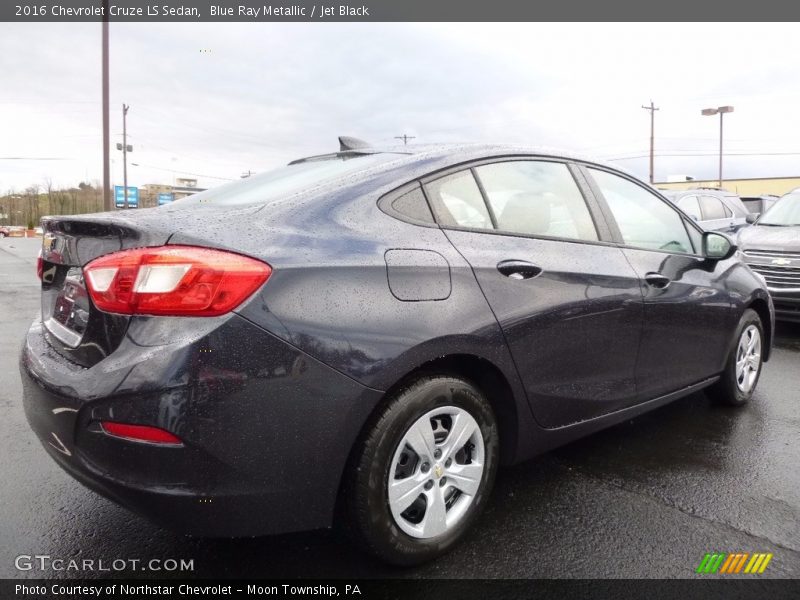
{"points": [[736, 562]]}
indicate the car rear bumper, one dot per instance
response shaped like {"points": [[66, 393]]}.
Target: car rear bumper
{"points": [[266, 429]]}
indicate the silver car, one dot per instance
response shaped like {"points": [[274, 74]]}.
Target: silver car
{"points": [[712, 208]]}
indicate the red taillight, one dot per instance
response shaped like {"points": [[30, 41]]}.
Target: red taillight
{"points": [[173, 280], [39, 265], [140, 433]]}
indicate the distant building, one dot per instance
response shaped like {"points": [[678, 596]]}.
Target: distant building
{"points": [[754, 186], [148, 193]]}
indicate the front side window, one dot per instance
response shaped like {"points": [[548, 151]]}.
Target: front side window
{"points": [[644, 220], [536, 198], [458, 201]]}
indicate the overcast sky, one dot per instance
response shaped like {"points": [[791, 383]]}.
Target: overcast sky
{"points": [[259, 95]]}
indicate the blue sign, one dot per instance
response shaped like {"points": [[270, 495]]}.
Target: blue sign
{"points": [[165, 198], [119, 196]]}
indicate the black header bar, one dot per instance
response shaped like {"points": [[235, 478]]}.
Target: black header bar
{"points": [[256, 11]]}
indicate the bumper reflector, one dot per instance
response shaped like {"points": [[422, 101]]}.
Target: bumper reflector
{"points": [[140, 433]]}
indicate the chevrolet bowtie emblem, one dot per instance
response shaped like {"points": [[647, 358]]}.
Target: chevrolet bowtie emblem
{"points": [[781, 261], [438, 471]]}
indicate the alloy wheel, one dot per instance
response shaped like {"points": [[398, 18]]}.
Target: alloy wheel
{"points": [[748, 358]]}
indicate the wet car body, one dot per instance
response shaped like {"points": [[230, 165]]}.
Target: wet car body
{"points": [[269, 399]]}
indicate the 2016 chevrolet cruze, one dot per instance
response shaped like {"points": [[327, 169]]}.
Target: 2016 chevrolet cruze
{"points": [[363, 337]]}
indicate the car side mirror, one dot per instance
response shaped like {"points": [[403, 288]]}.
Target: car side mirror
{"points": [[752, 217], [717, 246]]}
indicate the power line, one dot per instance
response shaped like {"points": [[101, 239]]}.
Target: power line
{"points": [[183, 172], [163, 119], [707, 154]]}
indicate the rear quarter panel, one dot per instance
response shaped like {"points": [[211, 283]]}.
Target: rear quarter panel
{"points": [[329, 294]]}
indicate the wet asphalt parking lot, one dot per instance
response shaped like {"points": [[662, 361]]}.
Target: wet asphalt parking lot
{"points": [[647, 498]]}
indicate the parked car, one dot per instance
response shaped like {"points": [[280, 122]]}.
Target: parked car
{"points": [[772, 248], [363, 337], [714, 209], [759, 204]]}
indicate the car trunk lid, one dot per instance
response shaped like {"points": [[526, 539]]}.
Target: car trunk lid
{"points": [[73, 327]]}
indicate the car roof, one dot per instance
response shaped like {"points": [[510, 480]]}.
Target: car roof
{"points": [[674, 194], [464, 152]]}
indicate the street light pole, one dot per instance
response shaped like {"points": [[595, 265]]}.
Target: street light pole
{"points": [[721, 110], [720, 147], [125, 153]]}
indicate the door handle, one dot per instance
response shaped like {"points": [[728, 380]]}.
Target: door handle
{"points": [[518, 269], [657, 280]]}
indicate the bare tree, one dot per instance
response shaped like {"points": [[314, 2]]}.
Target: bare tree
{"points": [[61, 198], [48, 187], [32, 206], [73, 196], [97, 206]]}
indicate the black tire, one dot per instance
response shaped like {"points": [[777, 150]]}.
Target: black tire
{"points": [[727, 390], [365, 494]]}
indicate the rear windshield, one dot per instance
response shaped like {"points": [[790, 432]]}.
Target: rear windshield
{"points": [[287, 181]]}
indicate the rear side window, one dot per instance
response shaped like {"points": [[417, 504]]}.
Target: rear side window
{"points": [[644, 219], [458, 201], [735, 204], [413, 205], [713, 208], [691, 206], [536, 198]]}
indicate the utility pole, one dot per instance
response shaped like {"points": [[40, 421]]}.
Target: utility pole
{"points": [[107, 203], [652, 108], [125, 153], [405, 138]]}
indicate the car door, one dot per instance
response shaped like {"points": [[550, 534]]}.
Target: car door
{"points": [[566, 298], [738, 212], [687, 310]]}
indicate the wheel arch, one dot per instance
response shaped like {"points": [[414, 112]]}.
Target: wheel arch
{"points": [[492, 383], [761, 306], [477, 370]]}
